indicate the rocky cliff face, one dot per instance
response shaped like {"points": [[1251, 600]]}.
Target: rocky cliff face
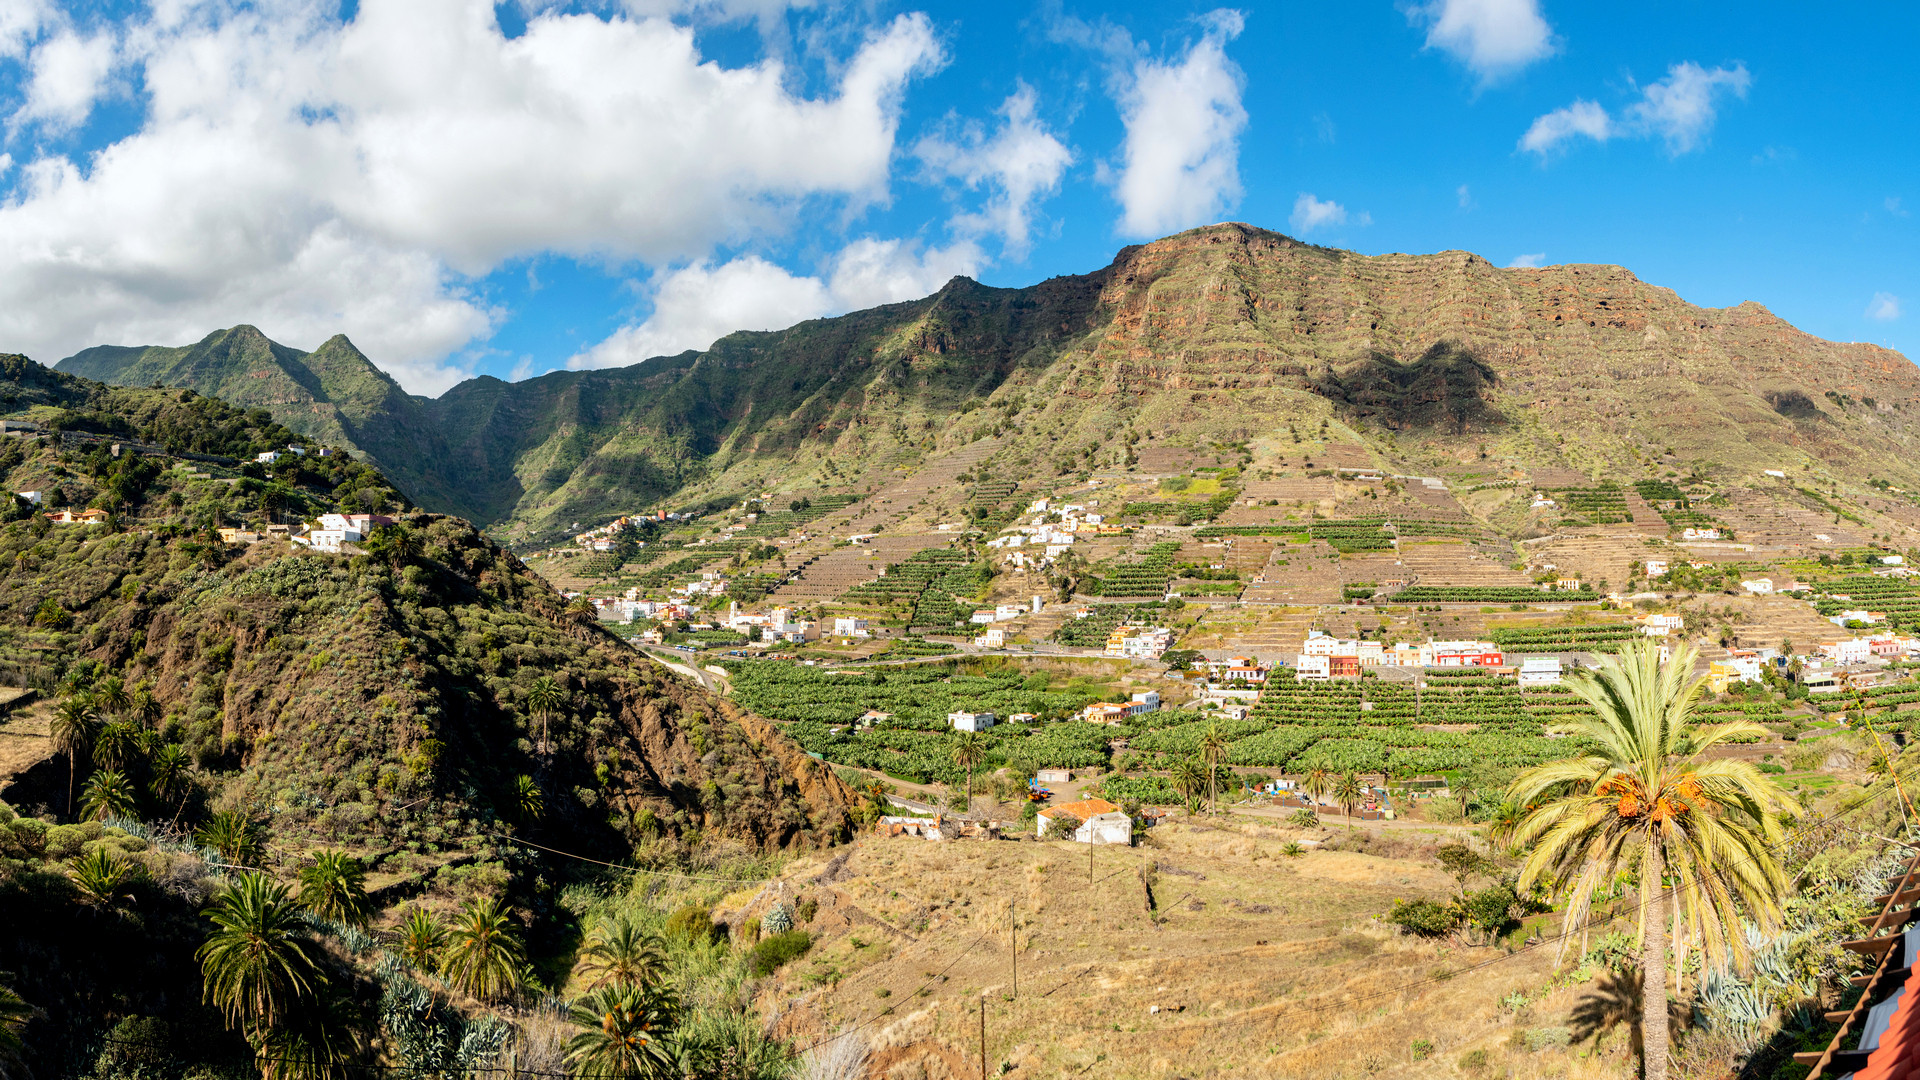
{"points": [[1226, 332]]}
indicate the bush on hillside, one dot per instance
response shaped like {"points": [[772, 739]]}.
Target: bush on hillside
{"points": [[775, 950]]}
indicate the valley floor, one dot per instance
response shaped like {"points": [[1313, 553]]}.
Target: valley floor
{"points": [[1247, 964]]}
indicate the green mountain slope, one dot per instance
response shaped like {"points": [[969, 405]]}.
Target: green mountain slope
{"points": [[383, 704], [1221, 334]]}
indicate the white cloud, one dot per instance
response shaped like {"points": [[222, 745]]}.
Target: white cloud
{"points": [[1884, 306], [69, 74], [1580, 118], [314, 177], [1492, 37], [1892, 204], [1680, 109], [870, 272], [695, 306], [1464, 196], [1310, 213], [1180, 160], [20, 23], [1527, 262], [1021, 163]]}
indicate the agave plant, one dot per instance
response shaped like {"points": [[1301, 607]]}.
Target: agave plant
{"points": [[779, 920]]}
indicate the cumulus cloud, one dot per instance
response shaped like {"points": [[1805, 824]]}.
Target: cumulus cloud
{"points": [[313, 176], [69, 74], [1464, 196], [1681, 109], [1580, 118], [1884, 306], [1527, 262], [20, 23], [1180, 160], [1310, 213], [697, 305], [1492, 37], [1019, 164]]}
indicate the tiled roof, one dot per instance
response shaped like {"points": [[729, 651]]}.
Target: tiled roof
{"points": [[1879, 1037], [1083, 809]]}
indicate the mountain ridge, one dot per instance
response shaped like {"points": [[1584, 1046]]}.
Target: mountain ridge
{"points": [[1272, 330]]}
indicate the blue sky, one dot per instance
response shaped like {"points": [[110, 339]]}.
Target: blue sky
{"points": [[470, 188]]}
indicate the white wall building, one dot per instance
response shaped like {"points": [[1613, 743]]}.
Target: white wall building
{"points": [[970, 721], [1540, 671]]}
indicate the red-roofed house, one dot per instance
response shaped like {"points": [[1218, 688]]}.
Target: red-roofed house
{"points": [[1101, 822]]}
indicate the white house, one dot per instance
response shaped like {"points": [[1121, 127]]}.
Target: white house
{"points": [[1540, 671], [970, 721], [847, 627], [1656, 567], [331, 539], [266, 457], [1145, 702], [1312, 668], [1053, 776], [1101, 822], [31, 496], [993, 637], [1758, 586], [1852, 651]]}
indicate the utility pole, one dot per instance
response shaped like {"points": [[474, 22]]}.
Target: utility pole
{"points": [[983, 1037], [1089, 860], [1013, 935]]}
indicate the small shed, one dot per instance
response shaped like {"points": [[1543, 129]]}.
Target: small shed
{"points": [[1053, 776]]}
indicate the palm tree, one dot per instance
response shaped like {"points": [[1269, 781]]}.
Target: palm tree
{"points": [[968, 750], [14, 1014], [528, 800], [397, 544], [110, 694], [72, 729], [1318, 783], [483, 955], [117, 746], [621, 954], [624, 1034], [258, 965], [1648, 803], [109, 794], [1188, 777], [1213, 747], [544, 698], [235, 836], [167, 776], [421, 939], [1347, 793], [102, 876], [335, 887]]}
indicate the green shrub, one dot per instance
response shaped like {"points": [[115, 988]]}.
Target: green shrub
{"points": [[749, 929], [694, 924], [1421, 1049], [808, 909], [65, 841], [776, 950], [1491, 909], [1424, 917], [1473, 1061]]}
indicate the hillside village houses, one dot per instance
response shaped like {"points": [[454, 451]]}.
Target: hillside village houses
{"points": [[1110, 712], [1323, 656], [333, 530], [1139, 642], [78, 517]]}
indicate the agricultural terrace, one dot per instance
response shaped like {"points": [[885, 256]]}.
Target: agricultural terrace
{"points": [[818, 708], [1603, 638], [1092, 631], [1490, 594], [1148, 576], [1603, 505], [921, 592], [1899, 598], [1346, 535]]}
